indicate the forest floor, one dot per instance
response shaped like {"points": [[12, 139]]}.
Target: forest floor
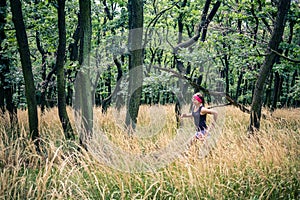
{"points": [[154, 162]]}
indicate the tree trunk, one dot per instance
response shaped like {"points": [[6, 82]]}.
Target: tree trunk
{"points": [[6, 97], [83, 76], [3, 60], [283, 8], [107, 100], [293, 83], [10, 106], [44, 69], [180, 66], [292, 23], [7, 103], [225, 70], [69, 93], [2, 106], [17, 17], [277, 90], [238, 87], [136, 20], [61, 83], [119, 98], [269, 92]]}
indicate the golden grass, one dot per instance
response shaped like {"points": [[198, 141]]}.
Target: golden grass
{"points": [[265, 166]]}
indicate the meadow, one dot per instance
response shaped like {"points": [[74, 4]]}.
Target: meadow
{"points": [[146, 166]]}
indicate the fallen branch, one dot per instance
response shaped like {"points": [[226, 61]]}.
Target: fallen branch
{"points": [[206, 91]]}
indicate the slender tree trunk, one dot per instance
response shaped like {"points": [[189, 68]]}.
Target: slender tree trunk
{"points": [[83, 76], [119, 98], [10, 106], [293, 82], [286, 95], [69, 93], [107, 100], [180, 66], [225, 70], [136, 20], [17, 18], [44, 90], [292, 23], [7, 103], [277, 90], [61, 83], [253, 10], [238, 87], [269, 92], [283, 8], [44, 68], [2, 106], [3, 61], [6, 85]]}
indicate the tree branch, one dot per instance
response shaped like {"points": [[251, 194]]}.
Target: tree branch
{"points": [[206, 91], [285, 57], [203, 24], [154, 21]]}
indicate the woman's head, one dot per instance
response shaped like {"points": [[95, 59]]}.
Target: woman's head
{"points": [[198, 98]]}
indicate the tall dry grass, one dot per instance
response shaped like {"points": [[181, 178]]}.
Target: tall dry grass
{"points": [[265, 166]]}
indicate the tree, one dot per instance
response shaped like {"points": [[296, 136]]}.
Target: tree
{"points": [[276, 38], [3, 61], [83, 82], [6, 84], [61, 82], [17, 17], [136, 20]]}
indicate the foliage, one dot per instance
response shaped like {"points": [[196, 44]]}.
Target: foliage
{"points": [[295, 94], [239, 32]]}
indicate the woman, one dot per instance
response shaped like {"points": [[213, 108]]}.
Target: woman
{"points": [[199, 113]]}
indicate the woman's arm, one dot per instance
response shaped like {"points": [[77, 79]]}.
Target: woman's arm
{"points": [[186, 115], [212, 112]]}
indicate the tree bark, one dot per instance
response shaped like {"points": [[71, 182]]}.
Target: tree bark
{"points": [[2, 105], [269, 92], [84, 91], [10, 106], [179, 65], [256, 106], [17, 17], [136, 20], [44, 69], [61, 82], [293, 83], [3, 61], [276, 91], [6, 97], [119, 98], [238, 87]]}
